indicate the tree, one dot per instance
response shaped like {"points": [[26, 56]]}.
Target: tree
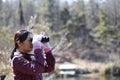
{"points": [[0, 11], [111, 9], [22, 22], [65, 15], [0, 5], [29, 9], [77, 24], [92, 8], [6, 13], [48, 14]]}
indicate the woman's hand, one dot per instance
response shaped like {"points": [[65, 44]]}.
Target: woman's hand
{"points": [[41, 42], [37, 42]]}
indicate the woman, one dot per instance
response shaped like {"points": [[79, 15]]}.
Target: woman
{"points": [[26, 66]]}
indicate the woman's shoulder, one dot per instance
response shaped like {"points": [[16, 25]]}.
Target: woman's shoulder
{"points": [[17, 56]]}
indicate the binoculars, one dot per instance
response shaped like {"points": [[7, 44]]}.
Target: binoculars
{"points": [[45, 39]]}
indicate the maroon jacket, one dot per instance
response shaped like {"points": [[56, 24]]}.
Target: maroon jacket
{"points": [[31, 67]]}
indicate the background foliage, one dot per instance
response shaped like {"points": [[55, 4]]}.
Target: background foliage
{"points": [[88, 30]]}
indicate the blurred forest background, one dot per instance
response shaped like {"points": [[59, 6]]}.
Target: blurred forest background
{"points": [[79, 29]]}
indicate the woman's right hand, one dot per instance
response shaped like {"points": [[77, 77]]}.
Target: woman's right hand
{"points": [[37, 42], [41, 42]]}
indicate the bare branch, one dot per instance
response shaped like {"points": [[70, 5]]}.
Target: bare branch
{"points": [[31, 22]]}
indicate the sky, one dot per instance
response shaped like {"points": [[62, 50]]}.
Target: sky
{"points": [[61, 0], [69, 1]]}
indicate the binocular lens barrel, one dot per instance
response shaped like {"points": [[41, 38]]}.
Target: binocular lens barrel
{"points": [[45, 39]]}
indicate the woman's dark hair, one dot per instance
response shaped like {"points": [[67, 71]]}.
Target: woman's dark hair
{"points": [[20, 35]]}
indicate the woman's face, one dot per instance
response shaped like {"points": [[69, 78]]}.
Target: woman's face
{"points": [[27, 45]]}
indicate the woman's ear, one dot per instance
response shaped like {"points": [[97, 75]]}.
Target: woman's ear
{"points": [[18, 43]]}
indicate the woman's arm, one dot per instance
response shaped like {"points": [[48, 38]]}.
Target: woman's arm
{"points": [[30, 67], [50, 66]]}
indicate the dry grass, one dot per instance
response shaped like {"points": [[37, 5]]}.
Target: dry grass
{"points": [[5, 69]]}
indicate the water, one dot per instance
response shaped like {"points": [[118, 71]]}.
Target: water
{"points": [[101, 78]]}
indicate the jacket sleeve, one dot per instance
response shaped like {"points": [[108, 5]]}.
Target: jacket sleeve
{"points": [[50, 62], [30, 67]]}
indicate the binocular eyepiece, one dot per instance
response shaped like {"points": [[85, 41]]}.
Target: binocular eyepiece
{"points": [[45, 39]]}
